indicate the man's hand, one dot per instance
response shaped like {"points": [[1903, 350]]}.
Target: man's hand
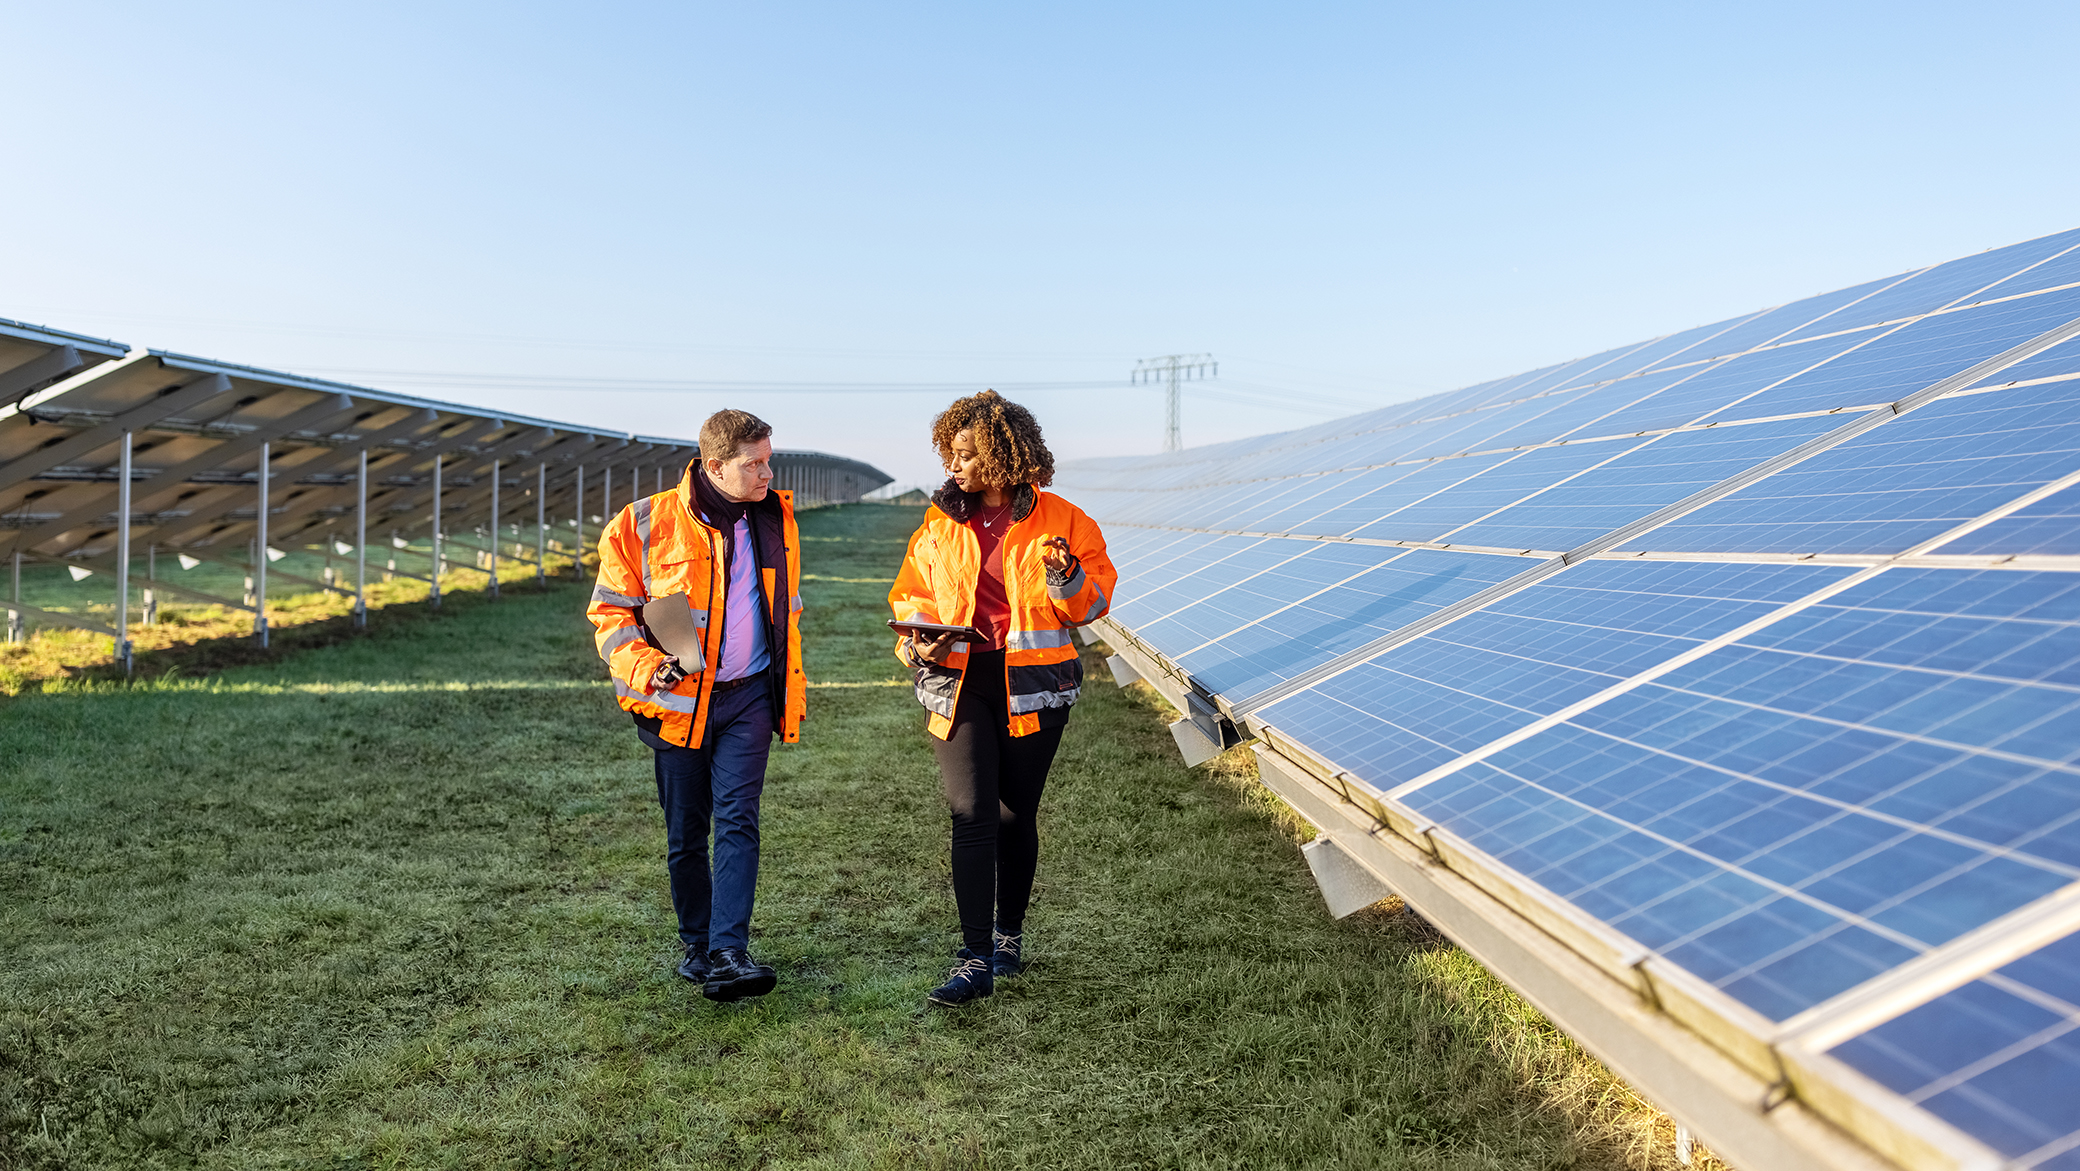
{"points": [[931, 649], [1055, 552], [668, 675]]}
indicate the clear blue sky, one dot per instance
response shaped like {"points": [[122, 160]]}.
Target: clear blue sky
{"points": [[613, 213]]}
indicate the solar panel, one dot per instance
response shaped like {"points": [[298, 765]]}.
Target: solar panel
{"points": [[195, 433], [33, 357], [1741, 667]]}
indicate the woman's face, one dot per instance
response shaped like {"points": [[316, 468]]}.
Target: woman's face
{"points": [[966, 465]]}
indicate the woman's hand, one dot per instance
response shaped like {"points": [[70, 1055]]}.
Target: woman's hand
{"points": [[933, 649], [1055, 552]]}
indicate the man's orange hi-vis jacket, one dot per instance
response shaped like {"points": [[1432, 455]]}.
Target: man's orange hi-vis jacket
{"points": [[657, 547]]}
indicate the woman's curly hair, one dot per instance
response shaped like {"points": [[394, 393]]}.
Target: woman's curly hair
{"points": [[1007, 439]]}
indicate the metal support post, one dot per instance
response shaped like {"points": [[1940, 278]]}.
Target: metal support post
{"points": [[579, 554], [123, 555], [494, 527], [541, 522], [361, 545], [260, 556], [151, 573], [15, 633], [435, 596]]}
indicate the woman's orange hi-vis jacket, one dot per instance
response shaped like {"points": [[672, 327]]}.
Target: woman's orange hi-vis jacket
{"points": [[937, 584], [657, 547]]}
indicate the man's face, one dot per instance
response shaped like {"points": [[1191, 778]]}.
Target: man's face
{"points": [[746, 475]]}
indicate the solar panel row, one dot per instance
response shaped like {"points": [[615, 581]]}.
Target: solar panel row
{"points": [[1757, 647], [198, 437]]}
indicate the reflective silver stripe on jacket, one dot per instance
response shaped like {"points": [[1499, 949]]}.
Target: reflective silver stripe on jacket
{"points": [[607, 597], [1097, 607], [1035, 640], [641, 512], [669, 701], [619, 639], [795, 603], [1068, 589], [1034, 701]]}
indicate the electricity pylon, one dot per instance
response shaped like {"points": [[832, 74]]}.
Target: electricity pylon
{"points": [[1173, 369]]}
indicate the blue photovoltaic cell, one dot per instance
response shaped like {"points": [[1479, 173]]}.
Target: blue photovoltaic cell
{"points": [[1998, 1058], [1271, 512], [1579, 414], [1310, 499], [1228, 506], [1155, 594], [1717, 388], [1956, 281], [1430, 700], [1794, 900], [1688, 346], [1605, 366], [2060, 360], [1914, 356], [1403, 492], [1362, 500], [1640, 845], [1208, 597], [1343, 617], [1499, 483], [1306, 569], [1777, 323], [1864, 660], [2050, 526], [1898, 484], [2062, 269], [1640, 477]]}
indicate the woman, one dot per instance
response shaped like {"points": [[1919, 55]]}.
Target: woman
{"points": [[1022, 567]]}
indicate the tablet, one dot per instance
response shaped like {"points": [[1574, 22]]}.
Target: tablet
{"points": [[934, 629]]}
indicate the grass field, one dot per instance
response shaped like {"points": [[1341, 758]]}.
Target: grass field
{"points": [[397, 900], [192, 636]]}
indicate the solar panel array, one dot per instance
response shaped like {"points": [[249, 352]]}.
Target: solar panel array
{"points": [[1755, 647], [198, 429]]}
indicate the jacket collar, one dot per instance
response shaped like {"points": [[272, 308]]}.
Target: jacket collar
{"points": [[768, 507], [962, 506]]}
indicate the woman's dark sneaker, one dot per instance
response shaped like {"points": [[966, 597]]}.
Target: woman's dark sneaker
{"points": [[969, 980], [1006, 963]]}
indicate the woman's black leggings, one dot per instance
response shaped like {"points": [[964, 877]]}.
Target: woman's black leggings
{"points": [[993, 782]]}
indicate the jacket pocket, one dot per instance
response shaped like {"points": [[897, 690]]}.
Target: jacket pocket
{"points": [[937, 687], [1043, 685]]}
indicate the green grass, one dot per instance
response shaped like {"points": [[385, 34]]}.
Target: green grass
{"points": [[398, 901]]}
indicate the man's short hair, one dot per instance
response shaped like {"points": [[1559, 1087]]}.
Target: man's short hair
{"points": [[728, 432]]}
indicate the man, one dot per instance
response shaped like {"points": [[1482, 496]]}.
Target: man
{"points": [[722, 544]]}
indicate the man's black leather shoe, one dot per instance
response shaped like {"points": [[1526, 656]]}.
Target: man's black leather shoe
{"points": [[734, 975], [695, 966]]}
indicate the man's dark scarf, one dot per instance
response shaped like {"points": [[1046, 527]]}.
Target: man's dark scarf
{"points": [[720, 511]]}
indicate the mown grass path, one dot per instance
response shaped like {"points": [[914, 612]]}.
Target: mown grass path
{"points": [[399, 902]]}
